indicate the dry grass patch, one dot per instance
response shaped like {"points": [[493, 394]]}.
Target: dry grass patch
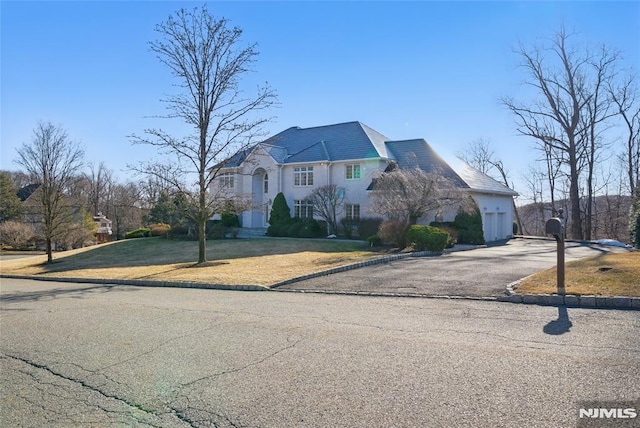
{"points": [[234, 262], [613, 274]]}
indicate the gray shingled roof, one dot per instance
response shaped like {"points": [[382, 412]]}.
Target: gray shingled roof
{"points": [[482, 183], [26, 191], [343, 141], [354, 140], [418, 153]]}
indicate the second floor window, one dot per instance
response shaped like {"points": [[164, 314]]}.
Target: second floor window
{"points": [[353, 171], [303, 176], [226, 179]]}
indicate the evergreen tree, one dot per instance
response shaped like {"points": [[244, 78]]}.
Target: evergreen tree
{"points": [[469, 223], [11, 207], [280, 212], [164, 210]]}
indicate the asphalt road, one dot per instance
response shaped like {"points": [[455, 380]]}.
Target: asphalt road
{"points": [[481, 272], [80, 355]]}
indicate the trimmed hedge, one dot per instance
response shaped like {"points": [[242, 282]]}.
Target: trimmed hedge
{"points": [[298, 228], [427, 238], [143, 232]]}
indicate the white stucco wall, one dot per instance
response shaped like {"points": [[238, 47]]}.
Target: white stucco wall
{"points": [[497, 215], [497, 210]]}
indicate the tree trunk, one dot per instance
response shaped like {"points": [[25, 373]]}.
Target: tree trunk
{"points": [[49, 246], [202, 241], [574, 197]]}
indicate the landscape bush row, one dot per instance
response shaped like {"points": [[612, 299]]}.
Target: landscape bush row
{"points": [[465, 229]]}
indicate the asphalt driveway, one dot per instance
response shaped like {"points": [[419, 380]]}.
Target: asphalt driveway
{"points": [[482, 272]]}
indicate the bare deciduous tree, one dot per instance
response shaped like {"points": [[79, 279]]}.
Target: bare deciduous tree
{"points": [[568, 111], [125, 208], [408, 194], [100, 180], [479, 155], [328, 204], [206, 56], [16, 234], [627, 105], [53, 161]]}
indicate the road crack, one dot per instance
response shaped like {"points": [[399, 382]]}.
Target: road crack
{"points": [[58, 375]]}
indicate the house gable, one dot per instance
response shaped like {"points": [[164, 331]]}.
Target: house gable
{"points": [[418, 153]]}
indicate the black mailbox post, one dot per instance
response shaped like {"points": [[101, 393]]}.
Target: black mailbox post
{"points": [[555, 226]]}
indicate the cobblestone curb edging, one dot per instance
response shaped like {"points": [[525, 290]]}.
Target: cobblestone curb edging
{"points": [[352, 266], [141, 283], [571, 300]]}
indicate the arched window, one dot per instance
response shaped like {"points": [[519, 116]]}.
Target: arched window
{"points": [[266, 183]]}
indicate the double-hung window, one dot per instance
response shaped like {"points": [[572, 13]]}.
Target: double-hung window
{"points": [[303, 176], [352, 212], [302, 208], [226, 179], [353, 171]]}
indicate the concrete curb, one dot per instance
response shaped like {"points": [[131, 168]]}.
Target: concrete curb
{"points": [[600, 302], [141, 283], [570, 300], [575, 301]]}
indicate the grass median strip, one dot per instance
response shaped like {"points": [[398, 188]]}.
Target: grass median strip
{"points": [[614, 274], [232, 262]]}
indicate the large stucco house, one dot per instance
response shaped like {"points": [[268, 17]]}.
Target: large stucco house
{"points": [[350, 155]]}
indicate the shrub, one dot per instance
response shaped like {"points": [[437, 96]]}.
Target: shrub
{"points": [[347, 227], [293, 229], [298, 228], [216, 231], [159, 229], [310, 229], [280, 212], [374, 240], [448, 227], [394, 232], [470, 226], [427, 238], [229, 220], [178, 231], [16, 234], [142, 232], [368, 226], [277, 230]]}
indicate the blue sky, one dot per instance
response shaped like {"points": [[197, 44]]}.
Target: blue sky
{"points": [[421, 69]]}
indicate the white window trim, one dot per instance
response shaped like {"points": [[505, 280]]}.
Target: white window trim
{"points": [[227, 180], [302, 204], [350, 209], [353, 167], [303, 171]]}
